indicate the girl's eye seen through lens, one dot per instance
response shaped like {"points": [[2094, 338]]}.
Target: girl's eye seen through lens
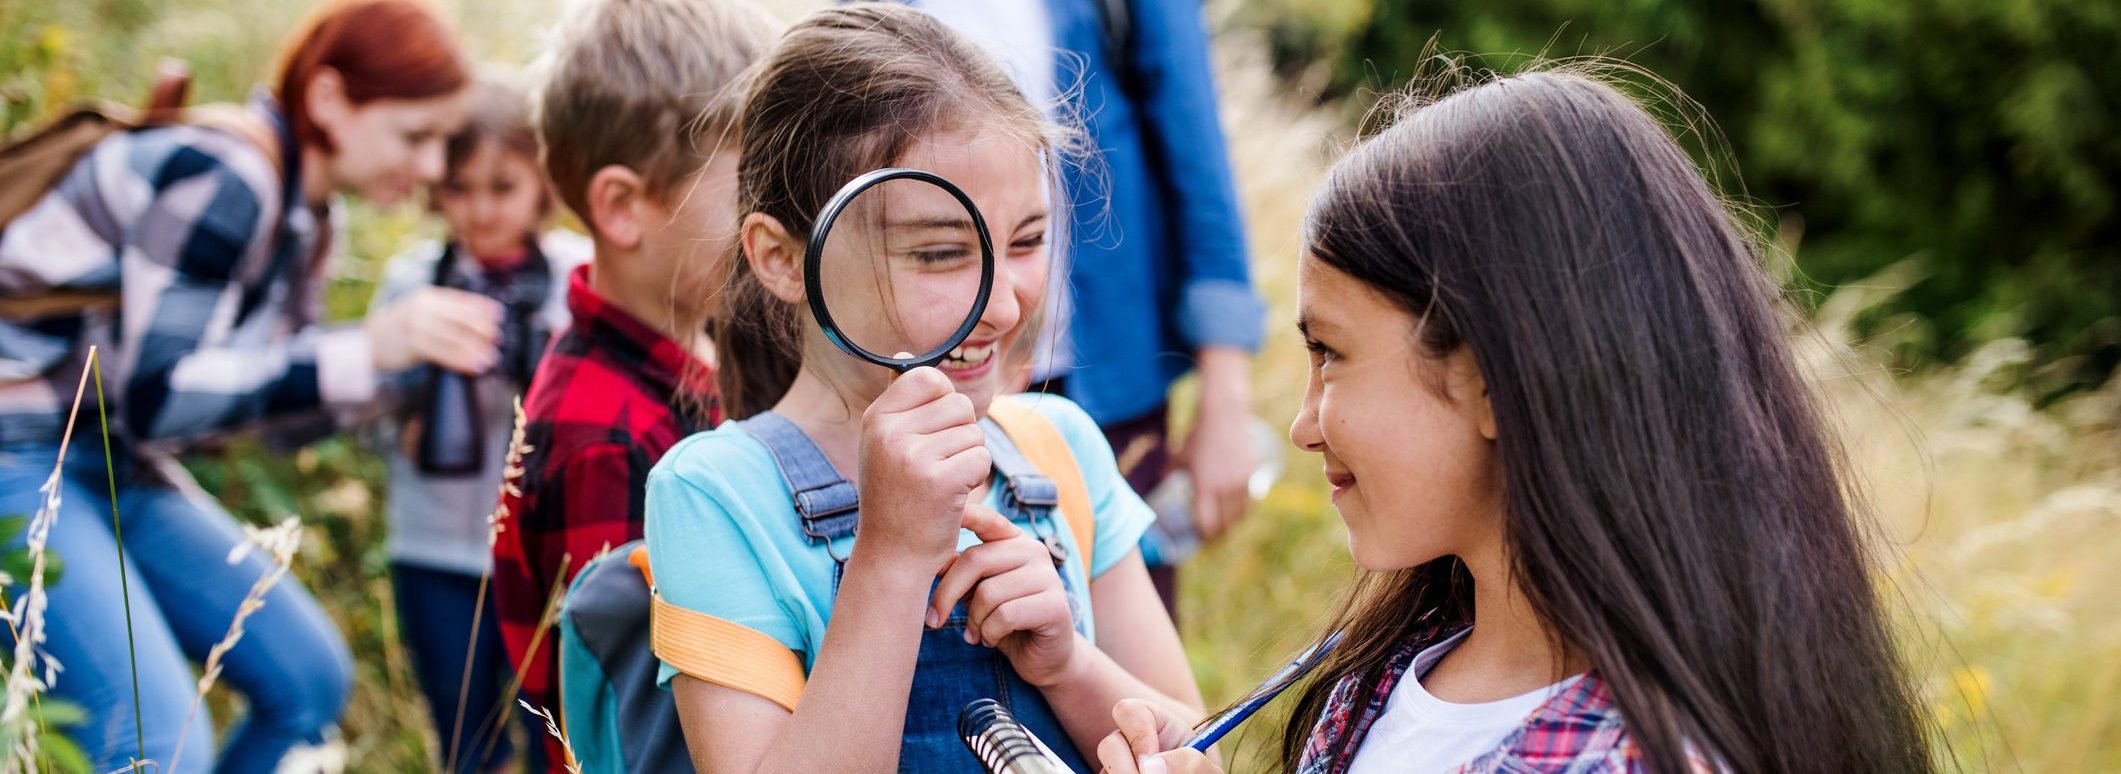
{"points": [[937, 256]]}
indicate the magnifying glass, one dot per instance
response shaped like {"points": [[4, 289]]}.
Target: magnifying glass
{"points": [[898, 270]]}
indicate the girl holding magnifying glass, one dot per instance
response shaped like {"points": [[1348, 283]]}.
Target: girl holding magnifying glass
{"points": [[809, 649]]}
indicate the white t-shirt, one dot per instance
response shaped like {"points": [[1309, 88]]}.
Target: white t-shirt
{"points": [[1419, 733]]}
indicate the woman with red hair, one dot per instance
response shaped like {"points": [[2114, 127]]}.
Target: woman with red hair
{"points": [[214, 239]]}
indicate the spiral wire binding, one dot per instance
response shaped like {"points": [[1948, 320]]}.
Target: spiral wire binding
{"points": [[1002, 744]]}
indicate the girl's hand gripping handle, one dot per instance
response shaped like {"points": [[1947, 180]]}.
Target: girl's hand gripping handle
{"points": [[922, 455]]}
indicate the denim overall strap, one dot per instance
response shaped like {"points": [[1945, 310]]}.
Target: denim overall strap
{"points": [[826, 503], [1030, 496], [950, 672], [1026, 491]]}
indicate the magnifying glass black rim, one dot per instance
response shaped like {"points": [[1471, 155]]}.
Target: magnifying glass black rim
{"points": [[814, 263]]}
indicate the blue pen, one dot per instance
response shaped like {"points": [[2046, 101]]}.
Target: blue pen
{"points": [[1217, 727]]}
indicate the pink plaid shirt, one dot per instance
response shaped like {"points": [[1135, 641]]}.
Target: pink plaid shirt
{"points": [[1578, 730]]}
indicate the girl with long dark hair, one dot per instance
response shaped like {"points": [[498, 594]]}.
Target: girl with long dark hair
{"points": [[1604, 524]]}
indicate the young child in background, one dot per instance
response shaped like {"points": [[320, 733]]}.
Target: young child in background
{"points": [[493, 198], [1565, 428], [823, 650], [636, 105]]}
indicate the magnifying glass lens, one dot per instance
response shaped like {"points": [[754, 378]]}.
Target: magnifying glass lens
{"points": [[901, 271]]}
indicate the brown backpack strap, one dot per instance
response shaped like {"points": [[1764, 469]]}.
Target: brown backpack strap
{"points": [[41, 159], [56, 303], [29, 169], [165, 100], [241, 122], [71, 137], [34, 164]]}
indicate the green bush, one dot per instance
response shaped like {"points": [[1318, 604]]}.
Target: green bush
{"points": [[1980, 137]]}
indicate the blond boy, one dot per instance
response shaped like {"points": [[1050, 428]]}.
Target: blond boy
{"points": [[636, 108]]}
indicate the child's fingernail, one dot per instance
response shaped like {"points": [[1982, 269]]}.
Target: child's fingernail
{"points": [[969, 639], [932, 615], [1149, 765]]}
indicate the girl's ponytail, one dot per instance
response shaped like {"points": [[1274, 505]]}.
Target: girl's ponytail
{"points": [[758, 342]]}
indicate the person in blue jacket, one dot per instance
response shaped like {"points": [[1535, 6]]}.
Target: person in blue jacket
{"points": [[1158, 283]]}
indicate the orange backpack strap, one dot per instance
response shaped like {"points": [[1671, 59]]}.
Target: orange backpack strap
{"points": [[638, 557], [1043, 445], [718, 651]]}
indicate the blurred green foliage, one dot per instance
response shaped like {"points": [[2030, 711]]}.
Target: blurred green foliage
{"points": [[1980, 137], [16, 562], [58, 754]]}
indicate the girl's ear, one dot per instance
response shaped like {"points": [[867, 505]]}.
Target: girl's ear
{"points": [[1469, 390], [774, 256], [1486, 416]]}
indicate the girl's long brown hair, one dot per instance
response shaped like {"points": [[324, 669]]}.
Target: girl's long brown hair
{"points": [[847, 90], [1673, 505]]}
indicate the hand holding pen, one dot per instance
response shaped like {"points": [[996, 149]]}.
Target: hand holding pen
{"points": [[1213, 729], [1149, 741]]}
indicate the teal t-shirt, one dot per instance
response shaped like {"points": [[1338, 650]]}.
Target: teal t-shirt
{"points": [[724, 538]]}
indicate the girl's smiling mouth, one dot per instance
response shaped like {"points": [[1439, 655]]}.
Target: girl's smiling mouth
{"points": [[1341, 481], [970, 360]]}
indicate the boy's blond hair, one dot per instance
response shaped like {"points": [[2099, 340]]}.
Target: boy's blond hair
{"points": [[651, 85]]}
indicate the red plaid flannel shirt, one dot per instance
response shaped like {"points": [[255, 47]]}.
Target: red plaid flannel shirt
{"points": [[607, 401], [1578, 730]]}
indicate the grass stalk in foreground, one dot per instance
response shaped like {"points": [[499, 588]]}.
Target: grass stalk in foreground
{"points": [[552, 727], [498, 722], [24, 683], [510, 473], [281, 542], [125, 590]]}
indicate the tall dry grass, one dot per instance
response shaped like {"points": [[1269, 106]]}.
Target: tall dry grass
{"points": [[279, 542], [31, 670]]}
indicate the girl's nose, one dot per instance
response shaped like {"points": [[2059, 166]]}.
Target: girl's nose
{"points": [[1013, 293], [1303, 431]]}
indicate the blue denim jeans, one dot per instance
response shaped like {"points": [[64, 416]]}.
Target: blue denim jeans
{"points": [[435, 610], [291, 664]]}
